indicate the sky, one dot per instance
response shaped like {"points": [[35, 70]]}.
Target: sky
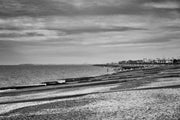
{"points": [[87, 31]]}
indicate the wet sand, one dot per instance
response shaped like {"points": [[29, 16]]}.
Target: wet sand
{"points": [[142, 94]]}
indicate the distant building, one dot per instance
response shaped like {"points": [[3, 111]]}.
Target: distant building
{"points": [[151, 61], [140, 61], [169, 61]]}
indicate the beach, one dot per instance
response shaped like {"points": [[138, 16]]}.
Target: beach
{"points": [[89, 60], [150, 93]]}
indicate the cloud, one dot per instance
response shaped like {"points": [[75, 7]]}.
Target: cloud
{"points": [[63, 28], [96, 30], [156, 42], [172, 28], [16, 35], [14, 8], [164, 5]]}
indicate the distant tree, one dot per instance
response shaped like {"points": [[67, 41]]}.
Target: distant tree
{"points": [[175, 61]]}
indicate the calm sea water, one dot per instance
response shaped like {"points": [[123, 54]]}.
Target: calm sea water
{"points": [[25, 75]]}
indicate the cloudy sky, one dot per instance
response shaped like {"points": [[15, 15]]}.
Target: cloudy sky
{"points": [[87, 31]]}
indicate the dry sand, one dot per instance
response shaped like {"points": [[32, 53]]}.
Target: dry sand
{"points": [[158, 104], [8, 107]]}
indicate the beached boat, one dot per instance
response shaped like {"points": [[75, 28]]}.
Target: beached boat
{"points": [[54, 82]]}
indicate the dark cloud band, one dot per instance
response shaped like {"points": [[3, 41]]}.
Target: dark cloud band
{"points": [[14, 8]]}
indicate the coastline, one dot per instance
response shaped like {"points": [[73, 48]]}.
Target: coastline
{"points": [[131, 79], [116, 83]]}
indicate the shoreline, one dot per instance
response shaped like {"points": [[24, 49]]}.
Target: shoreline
{"points": [[113, 78], [68, 80], [154, 79]]}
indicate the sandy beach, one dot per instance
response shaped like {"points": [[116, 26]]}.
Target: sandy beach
{"points": [[148, 94]]}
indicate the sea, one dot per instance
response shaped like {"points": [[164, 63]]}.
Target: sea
{"points": [[14, 75]]}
